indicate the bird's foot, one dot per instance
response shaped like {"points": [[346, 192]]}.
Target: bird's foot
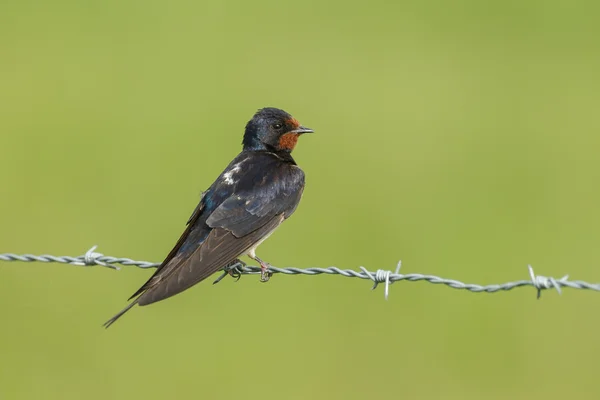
{"points": [[265, 274], [234, 269]]}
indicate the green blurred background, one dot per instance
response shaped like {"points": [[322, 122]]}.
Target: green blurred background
{"points": [[461, 137]]}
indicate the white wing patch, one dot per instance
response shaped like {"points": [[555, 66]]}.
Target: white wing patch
{"points": [[228, 176]]}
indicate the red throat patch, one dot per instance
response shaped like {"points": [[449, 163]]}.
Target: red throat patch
{"points": [[288, 141]]}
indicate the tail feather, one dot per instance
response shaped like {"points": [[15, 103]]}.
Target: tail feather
{"points": [[120, 313]]}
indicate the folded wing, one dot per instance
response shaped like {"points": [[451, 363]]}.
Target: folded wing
{"points": [[214, 238]]}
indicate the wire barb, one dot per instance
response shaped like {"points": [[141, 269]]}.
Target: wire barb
{"points": [[237, 268], [381, 275], [542, 282], [91, 258]]}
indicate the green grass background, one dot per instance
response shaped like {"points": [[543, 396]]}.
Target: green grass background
{"points": [[461, 137]]}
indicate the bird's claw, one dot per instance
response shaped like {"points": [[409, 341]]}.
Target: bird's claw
{"points": [[265, 274], [235, 269], [235, 274]]}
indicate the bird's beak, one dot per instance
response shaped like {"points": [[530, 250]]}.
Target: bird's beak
{"points": [[302, 129]]}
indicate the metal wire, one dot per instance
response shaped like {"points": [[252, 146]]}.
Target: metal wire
{"points": [[539, 282]]}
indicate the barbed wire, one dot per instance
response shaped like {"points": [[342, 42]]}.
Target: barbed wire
{"points": [[539, 282]]}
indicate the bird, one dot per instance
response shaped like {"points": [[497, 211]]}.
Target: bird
{"points": [[259, 189]]}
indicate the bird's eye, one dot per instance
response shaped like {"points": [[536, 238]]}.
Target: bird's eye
{"points": [[277, 126]]}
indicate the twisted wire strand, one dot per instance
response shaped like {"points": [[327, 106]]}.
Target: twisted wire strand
{"points": [[539, 282]]}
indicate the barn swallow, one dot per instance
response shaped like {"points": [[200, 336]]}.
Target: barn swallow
{"points": [[257, 191]]}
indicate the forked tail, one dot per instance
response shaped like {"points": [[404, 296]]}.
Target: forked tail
{"points": [[120, 313]]}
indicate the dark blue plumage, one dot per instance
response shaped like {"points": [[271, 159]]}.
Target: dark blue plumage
{"points": [[257, 191]]}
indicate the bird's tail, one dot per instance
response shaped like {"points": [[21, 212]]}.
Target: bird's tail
{"points": [[120, 313]]}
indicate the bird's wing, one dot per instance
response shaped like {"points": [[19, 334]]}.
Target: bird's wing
{"points": [[241, 220], [219, 249], [258, 199]]}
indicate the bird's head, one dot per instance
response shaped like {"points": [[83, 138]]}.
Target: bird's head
{"points": [[274, 130]]}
